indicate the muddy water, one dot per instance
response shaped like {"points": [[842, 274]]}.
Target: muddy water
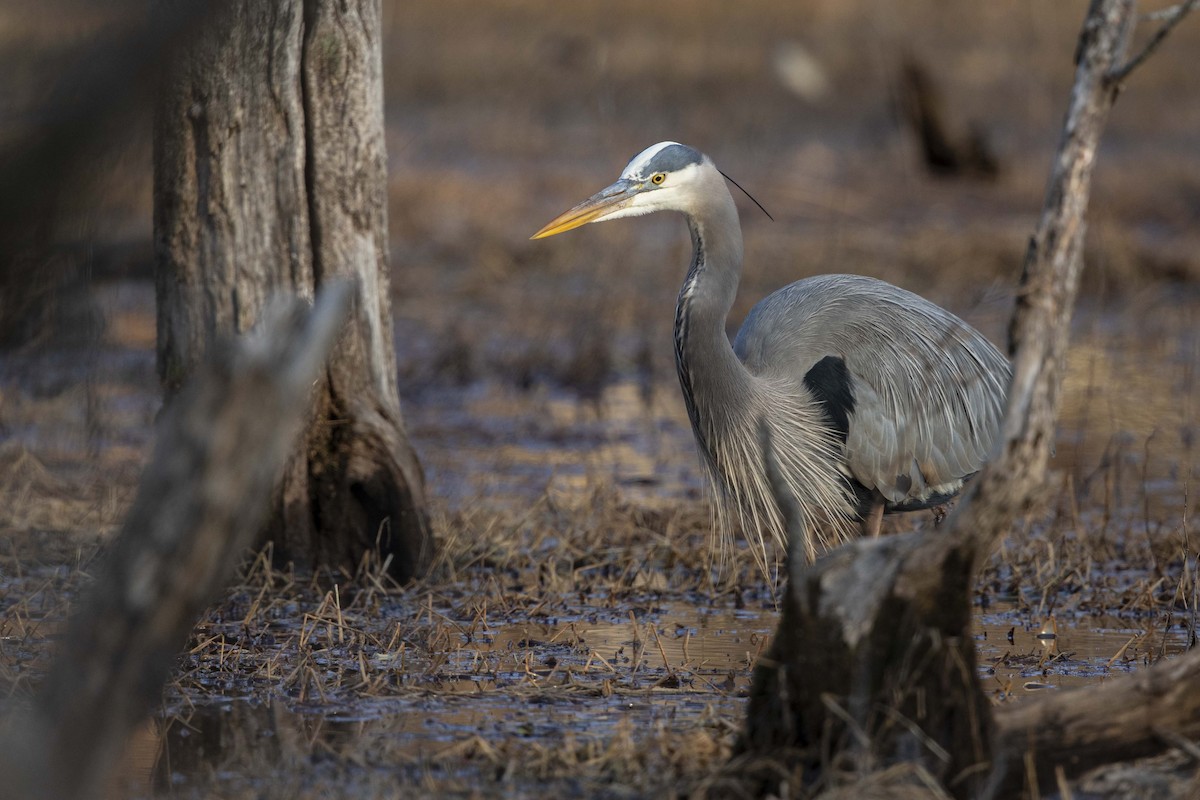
{"points": [[514, 691]]}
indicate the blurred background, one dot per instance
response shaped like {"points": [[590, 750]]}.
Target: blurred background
{"points": [[532, 364]]}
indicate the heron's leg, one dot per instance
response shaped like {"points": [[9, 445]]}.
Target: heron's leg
{"points": [[872, 517]]}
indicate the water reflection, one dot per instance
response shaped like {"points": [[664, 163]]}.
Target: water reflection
{"points": [[1021, 653]]}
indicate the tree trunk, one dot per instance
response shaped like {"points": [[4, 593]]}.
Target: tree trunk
{"points": [[270, 176]]}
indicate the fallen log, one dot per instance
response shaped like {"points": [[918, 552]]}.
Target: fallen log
{"points": [[1134, 716], [221, 448]]}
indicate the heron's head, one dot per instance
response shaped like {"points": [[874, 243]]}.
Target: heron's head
{"points": [[667, 176]]}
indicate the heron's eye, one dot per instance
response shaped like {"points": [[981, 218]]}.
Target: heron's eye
{"points": [[658, 178]]}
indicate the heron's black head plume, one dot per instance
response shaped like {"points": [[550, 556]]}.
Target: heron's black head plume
{"points": [[738, 185]]}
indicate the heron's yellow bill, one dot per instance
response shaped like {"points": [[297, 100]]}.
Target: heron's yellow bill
{"points": [[569, 220], [596, 206]]}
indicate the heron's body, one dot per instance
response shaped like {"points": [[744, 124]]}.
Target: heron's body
{"points": [[874, 399]]}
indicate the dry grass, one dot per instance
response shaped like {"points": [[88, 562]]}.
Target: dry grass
{"points": [[520, 613]]}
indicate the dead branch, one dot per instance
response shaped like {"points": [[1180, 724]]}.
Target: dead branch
{"points": [[1040, 327], [1171, 17], [221, 448]]}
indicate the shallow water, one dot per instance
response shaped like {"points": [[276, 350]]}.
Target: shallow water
{"points": [[578, 684], [507, 447], [1020, 653]]}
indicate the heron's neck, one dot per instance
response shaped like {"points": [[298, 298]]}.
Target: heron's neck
{"points": [[708, 368]]}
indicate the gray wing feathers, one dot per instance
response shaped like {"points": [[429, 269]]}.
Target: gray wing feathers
{"points": [[929, 389]]}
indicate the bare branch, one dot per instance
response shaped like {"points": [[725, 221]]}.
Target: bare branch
{"points": [[1171, 17]]}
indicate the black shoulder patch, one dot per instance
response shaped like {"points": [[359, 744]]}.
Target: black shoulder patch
{"points": [[829, 381]]}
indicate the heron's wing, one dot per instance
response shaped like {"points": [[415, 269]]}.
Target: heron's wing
{"points": [[925, 393]]}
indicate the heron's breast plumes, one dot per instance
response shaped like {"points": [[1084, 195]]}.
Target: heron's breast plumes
{"points": [[786, 425]]}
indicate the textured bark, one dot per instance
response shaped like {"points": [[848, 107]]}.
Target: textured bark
{"points": [[270, 175], [874, 665], [221, 447], [873, 662]]}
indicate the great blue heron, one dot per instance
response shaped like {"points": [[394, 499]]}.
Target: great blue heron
{"points": [[874, 399]]}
